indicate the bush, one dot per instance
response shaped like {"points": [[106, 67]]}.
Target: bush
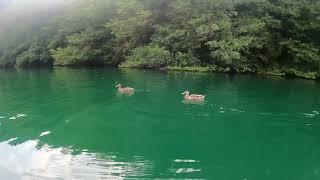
{"points": [[183, 59], [34, 57], [150, 56]]}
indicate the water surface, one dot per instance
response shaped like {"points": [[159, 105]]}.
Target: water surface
{"points": [[71, 124]]}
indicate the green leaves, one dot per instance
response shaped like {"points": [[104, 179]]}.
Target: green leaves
{"points": [[242, 35], [132, 27], [89, 47], [186, 59], [302, 53], [151, 56]]}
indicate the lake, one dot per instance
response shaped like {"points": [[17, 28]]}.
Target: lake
{"points": [[71, 124]]}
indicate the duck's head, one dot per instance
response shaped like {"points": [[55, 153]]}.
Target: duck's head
{"points": [[186, 93], [118, 85]]}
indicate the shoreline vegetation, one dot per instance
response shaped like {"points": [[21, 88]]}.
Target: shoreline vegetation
{"points": [[269, 37], [291, 73], [288, 73]]}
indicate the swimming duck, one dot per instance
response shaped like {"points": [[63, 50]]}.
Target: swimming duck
{"points": [[124, 90], [193, 97]]}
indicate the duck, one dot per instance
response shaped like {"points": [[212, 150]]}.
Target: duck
{"points": [[125, 90], [193, 97]]}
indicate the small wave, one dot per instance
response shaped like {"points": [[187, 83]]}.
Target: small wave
{"points": [[1, 117], [21, 115], [185, 161], [222, 111], [236, 110], [139, 90], [187, 170], [266, 113], [45, 133], [17, 116], [309, 115]]}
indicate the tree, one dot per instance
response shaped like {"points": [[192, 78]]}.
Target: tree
{"points": [[150, 56], [232, 35]]}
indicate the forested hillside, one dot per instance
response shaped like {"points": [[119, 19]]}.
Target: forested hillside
{"points": [[271, 36]]}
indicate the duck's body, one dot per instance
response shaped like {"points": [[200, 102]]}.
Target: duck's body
{"points": [[193, 97], [125, 90]]}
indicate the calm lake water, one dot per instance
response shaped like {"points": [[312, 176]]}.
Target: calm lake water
{"points": [[71, 124]]}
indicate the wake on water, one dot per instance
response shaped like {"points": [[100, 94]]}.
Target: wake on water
{"points": [[139, 90]]}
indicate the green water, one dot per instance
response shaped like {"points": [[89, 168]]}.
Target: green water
{"points": [[71, 124]]}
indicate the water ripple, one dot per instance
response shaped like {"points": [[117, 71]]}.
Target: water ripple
{"points": [[187, 170], [45, 133], [311, 115], [185, 161], [17, 116]]}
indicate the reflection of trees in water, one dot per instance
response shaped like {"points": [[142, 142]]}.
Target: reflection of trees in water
{"points": [[29, 161]]}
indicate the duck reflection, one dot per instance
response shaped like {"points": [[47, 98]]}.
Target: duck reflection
{"points": [[193, 102]]}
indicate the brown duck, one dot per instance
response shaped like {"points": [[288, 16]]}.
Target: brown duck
{"points": [[193, 97], [124, 90]]}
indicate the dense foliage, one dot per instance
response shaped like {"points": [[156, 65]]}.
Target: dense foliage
{"points": [[234, 35]]}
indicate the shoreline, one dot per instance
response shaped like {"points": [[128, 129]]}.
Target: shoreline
{"points": [[291, 73], [288, 73]]}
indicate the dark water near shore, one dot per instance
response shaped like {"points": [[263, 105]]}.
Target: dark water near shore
{"points": [[71, 124]]}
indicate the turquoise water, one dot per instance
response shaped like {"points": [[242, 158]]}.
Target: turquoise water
{"points": [[71, 124]]}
